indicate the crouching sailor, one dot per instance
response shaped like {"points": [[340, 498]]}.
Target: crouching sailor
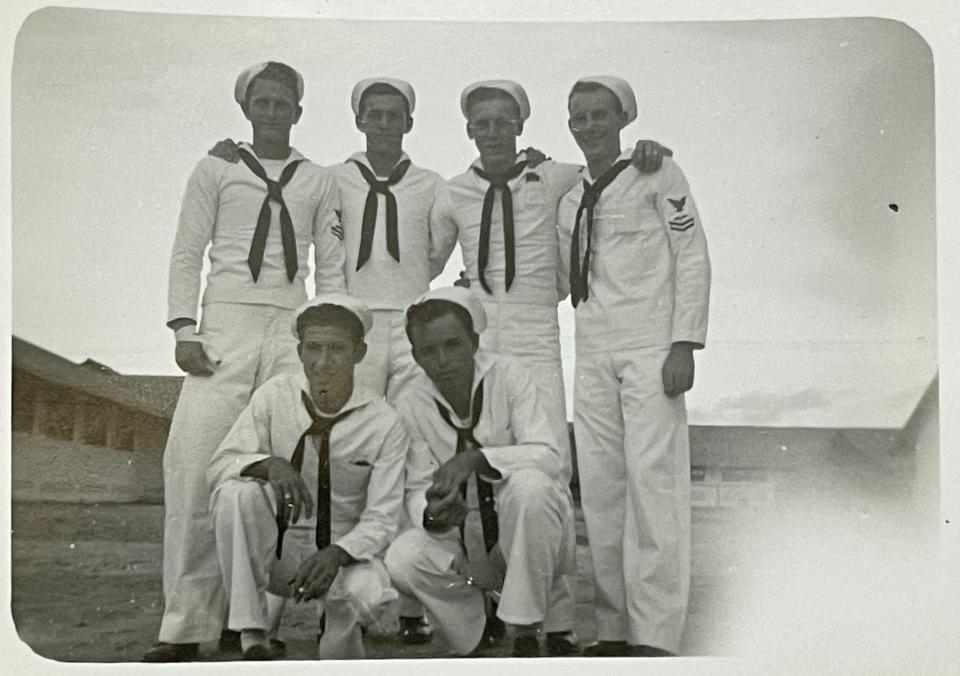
{"points": [[307, 487], [482, 482]]}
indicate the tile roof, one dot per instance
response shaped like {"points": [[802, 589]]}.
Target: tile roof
{"points": [[153, 395]]}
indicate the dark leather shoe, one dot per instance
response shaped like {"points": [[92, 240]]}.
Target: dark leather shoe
{"points": [[229, 641], [526, 646], [562, 644], [172, 652], [259, 653], [276, 651], [607, 649], [649, 651], [493, 632], [414, 631]]}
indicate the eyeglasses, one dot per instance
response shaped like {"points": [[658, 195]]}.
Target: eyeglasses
{"points": [[497, 125]]}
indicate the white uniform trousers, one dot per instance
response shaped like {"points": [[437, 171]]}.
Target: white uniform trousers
{"points": [[388, 365], [535, 519], [633, 453], [252, 344], [246, 531], [530, 333]]}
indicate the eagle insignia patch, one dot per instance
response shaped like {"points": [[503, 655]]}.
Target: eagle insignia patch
{"points": [[680, 221]]}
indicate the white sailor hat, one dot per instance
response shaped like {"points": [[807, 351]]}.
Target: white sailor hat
{"points": [[402, 86], [354, 305], [246, 77], [463, 297], [509, 87], [620, 89]]}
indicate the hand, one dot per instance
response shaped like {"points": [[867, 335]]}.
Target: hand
{"points": [[192, 359], [445, 512], [463, 280], [226, 150], [317, 573], [535, 157], [678, 369], [448, 477], [290, 490], [648, 156]]}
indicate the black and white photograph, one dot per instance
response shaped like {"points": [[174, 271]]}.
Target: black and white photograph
{"points": [[618, 339]]}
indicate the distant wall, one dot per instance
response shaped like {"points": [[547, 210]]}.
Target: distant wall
{"points": [[66, 471]]}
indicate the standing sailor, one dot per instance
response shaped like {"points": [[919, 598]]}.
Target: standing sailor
{"points": [[636, 258], [259, 218]]}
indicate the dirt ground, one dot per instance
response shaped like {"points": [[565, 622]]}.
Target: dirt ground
{"points": [[86, 586]]}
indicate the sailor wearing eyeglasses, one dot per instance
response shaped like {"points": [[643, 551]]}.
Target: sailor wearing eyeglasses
{"points": [[502, 210]]}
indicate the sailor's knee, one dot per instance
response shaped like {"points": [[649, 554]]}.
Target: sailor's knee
{"points": [[530, 487], [365, 588], [407, 557], [237, 497], [402, 554]]}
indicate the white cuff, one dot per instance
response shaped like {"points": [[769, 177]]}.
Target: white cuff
{"points": [[187, 333]]}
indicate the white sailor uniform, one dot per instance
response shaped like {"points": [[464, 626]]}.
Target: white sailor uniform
{"points": [[245, 328], [649, 281], [535, 516], [385, 284], [368, 448]]}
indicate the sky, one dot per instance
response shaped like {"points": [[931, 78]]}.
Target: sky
{"points": [[796, 138]]}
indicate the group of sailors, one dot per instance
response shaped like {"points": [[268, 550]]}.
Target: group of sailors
{"points": [[385, 442]]}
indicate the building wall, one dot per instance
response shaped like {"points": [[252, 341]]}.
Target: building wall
{"points": [[71, 447], [55, 470]]}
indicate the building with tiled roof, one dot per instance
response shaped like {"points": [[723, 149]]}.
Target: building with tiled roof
{"points": [[83, 432]]}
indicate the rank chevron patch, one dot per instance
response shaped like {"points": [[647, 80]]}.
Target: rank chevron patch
{"points": [[338, 228], [681, 221]]}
